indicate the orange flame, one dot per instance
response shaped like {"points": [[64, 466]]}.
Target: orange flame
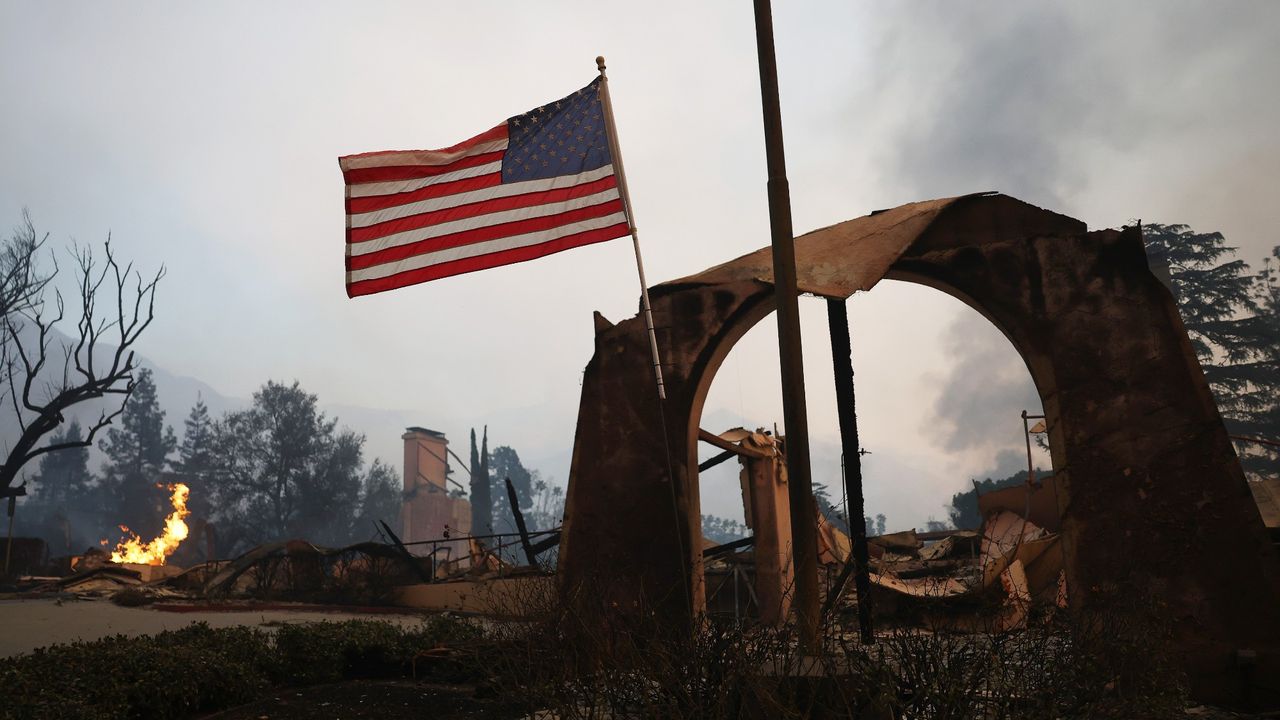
{"points": [[133, 550]]}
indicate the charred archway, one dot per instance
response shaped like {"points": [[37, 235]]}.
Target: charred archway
{"points": [[1133, 429]]}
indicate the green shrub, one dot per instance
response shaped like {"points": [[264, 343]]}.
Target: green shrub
{"points": [[179, 673], [328, 652]]}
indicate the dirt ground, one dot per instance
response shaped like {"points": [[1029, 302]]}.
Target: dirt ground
{"points": [[385, 700], [28, 624]]}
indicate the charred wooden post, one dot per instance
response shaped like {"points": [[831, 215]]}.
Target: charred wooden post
{"points": [[804, 540], [8, 545], [842, 360], [529, 554], [406, 555]]}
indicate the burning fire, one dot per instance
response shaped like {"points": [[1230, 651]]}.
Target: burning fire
{"points": [[133, 550]]}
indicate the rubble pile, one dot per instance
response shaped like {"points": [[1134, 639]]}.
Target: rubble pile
{"points": [[987, 579]]}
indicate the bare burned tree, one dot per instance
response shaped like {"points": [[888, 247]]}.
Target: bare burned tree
{"points": [[21, 283], [116, 305]]}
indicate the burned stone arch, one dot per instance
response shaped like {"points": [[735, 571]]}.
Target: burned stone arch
{"points": [[1134, 433]]}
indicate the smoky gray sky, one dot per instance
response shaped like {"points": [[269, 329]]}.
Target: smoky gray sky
{"points": [[206, 136]]}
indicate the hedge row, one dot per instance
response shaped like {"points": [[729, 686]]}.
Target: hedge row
{"points": [[178, 673]]}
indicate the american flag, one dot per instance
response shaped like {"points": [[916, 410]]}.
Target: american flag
{"points": [[537, 184]]}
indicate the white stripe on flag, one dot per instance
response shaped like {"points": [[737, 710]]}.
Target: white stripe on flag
{"points": [[393, 187], [360, 220], [471, 223], [512, 242]]}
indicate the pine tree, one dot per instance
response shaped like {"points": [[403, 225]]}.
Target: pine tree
{"points": [[65, 498], [1256, 411], [62, 481], [506, 464], [1231, 318], [196, 451], [1212, 288], [195, 458], [137, 453]]}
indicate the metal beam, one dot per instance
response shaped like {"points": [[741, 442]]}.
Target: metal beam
{"points": [[713, 439]]}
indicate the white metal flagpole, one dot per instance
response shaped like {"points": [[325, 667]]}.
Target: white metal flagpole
{"points": [[616, 154], [687, 563]]}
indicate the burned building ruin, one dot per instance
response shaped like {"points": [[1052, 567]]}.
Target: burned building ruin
{"points": [[1137, 442]]}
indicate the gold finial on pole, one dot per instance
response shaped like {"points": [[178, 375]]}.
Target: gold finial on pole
{"points": [[600, 64]]}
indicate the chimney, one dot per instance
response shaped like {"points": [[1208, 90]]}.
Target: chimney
{"points": [[425, 458], [428, 513]]}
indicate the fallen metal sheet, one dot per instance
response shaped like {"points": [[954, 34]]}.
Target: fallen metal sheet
{"points": [[1003, 530], [1267, 494], [152, 573], [1017, 597], [738, 434], [1037, 502], [105, 578], [1016, 553], [963, 543], [1044, 563], [902, 543], [1028, 553], [228, 576], [927, 587], [194, 577]]}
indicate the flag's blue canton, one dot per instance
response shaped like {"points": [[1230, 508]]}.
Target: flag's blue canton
{"points": [[565, 137]]}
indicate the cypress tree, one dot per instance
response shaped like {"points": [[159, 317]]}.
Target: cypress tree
{"points": [[481, 500]]}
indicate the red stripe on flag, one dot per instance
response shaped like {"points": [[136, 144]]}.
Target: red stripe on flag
{"points": [[479, 208], [421, 157], [484, 262], [356, 176], [453, 187], [489, 232]]}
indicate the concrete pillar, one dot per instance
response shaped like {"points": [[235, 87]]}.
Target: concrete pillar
{"points": [[768, 514]]}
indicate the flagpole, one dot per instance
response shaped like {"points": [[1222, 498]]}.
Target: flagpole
{"points": [[616, 153]]}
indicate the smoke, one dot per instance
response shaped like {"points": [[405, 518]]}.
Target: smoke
{"points": [[986, 387], [992, 93], [1008, 462], [1104, 111], [1107, 111]]}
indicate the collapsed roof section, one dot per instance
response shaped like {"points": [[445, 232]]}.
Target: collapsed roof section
{"points": [[852, 256]]}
